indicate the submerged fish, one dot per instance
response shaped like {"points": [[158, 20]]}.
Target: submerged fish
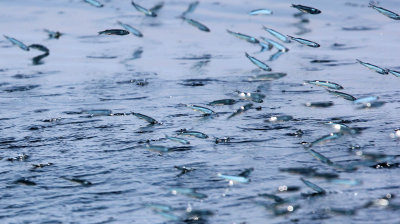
{"points": [[41, 165], [241, 110], [246, 172], [327, 84], [192, 6], [114, 32], [196, 24], [342, 128], [319, 104], [277, 34], [244, 37], [188, 192], [320, 157], [306, 9], [157, 148], [94, 3], [99, 112], [268, 76], [342, 95], [367, 99], [201, 109], [53, 34], [234, 179], [277, 45], [78, 181], [222, 102], [395, 73], [147, 12], [146, 118], [374, 68], [255, 97], [39, 47], [305, 42], [17, 42], [131, 29], [313, 186], [385, 12], [273, 197], [348, 182], [258, 63], [260, 12], [192, 133], [180, 140]]}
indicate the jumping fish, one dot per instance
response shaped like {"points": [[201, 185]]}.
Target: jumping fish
{"points": [[275, 56], [393, 72], [157, 148], [222, 102], [327, 84], [94, 3], [39, 47], [201, 109], [322, 104], [244, 37], [374, 68], [313, 186], [36, 60], [278, 35], [255, 97], [342, 128], [192, 133], [277, 45], [180, 140], [192, 6], [367, 99], [53, 34], [260, 12], [17, 42], [188, 192], [241, 110], [147, 12], [385, 12], [234, 179], [306, 9], [131, 29], [196, 24], [327, 138], [146, 118], [114, 32], [342, 95], [305, 42], [268, 77], [258, 63]]}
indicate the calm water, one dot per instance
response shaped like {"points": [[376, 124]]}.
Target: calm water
{"points": [[43, 112]]}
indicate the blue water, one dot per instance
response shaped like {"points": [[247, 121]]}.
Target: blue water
{"points": [[44, 112]]}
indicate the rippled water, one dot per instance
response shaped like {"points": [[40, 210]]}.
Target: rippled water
{"points": [[45, 112]]}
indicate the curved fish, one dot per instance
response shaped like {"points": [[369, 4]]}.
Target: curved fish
{"points": [[275, 56], [157, 7], [131, 29], [245, 37], [235, 179], [342, 95], [197, 24], [306, 9], [201, 109], [305, 42], [277, 45], [146, 118], [385, 12], [277, 34], [327, 84], [147, 12], [374, 68], [222, 102], [17, 42], [395, 73], [39, 47], [94, 3], [36, 60], [260, 12], [258, 63], [114, 32]]}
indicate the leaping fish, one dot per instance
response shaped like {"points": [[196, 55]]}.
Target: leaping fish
{"points": [[395, 73], [18, 43], [385, 12], [277, 34], [245, 37], [277, 45], [342, 95], [114, 32], [201, 109], [241, 110], [192, 6], [146, 118], [197, 24], [260, 12], [94, 3], [131, 29], [258, 63], [306, 9], [374, 68], [147, 12], [305, 42], [326, 84]]}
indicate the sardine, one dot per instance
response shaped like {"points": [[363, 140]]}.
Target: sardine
{"points": [[374, 68], [234, 179], [196, 24], [147, 12], [131, 29], [395, 73], [268, 76], [17, 42], [146, 118], [114, 32], [157, 7], [78, 181], [305, 42], [374, 104], [276, 34], [193, 134], [255, 97], [306, 9], [385, 12], [53, 34], [241, 110], [201, 109], [39, 47], [313, 186], [157, 148], [277, 45], [348, 182], [319, 104], [279, 118], [327, 138], [260, 12], [342, 95], [342, 128], [94, 3], [192, 6], [222, 102], [367, 99], [188, 192], [258, 63], [99, 112], [275, 56], [180, 140], [244, 37]]}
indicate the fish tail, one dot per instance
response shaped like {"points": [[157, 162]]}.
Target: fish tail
{"points": [[359, 61]]}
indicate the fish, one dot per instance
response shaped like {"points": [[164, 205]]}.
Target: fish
{"points": [[147, 12], [41, 165], [313, 186], [180, 140], [78, 181], [279, 118], [114, 32], [196, 24], [260, 12], [39, 47], [157, 7], [245, 37], [234, 179], [268, 77], [305, 42], [367, 99], [342, 95], [94, 3], [192, 133], [322, 104], [53, 34], [246, 172], [241, 110], [374, 104], [374, 68], [36, 60], [277, 45], [184, 169], [201, 109], [131, 29], [342, 128], [265, 46], [285, 188], [21, 157], [393, 72], [222, 140], [157, 148], [17, 42], [255, 97], [278, 35], [275, 56], [192, 6], [258, 63], [327, 138], [299, 170], [222, 102], [25, 181], [307, 9], [385, 12], [99, 112], [188, 192], [146, 118], [348, 182], [159, 207]]}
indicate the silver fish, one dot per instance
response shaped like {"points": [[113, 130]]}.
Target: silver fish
{"points": [[395, 73], [222, 102], [276, 34], [327, 84], [367, 99], [268, 76], [94, 3], [245, 37], [157, 148], [234, 179], [188, 192], [255, 97], [305, 42], [348, 182], [342, 128], [374, 68], [201, 109], [147, 12], [146, 118], [180, 140], [320, 157], [17, 42], [258, 63], [131, 29], [306, 9], [277, 45], [385, 12], [275, 56], [313, 186], [192, 6], [193, 133], [114, 32], [327, 138], [99, 112], [260, 12], [342, 95], [374, 104], [241, 110], [319, 104], [196, 24]]}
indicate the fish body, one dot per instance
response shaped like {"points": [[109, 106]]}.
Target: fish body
{"points": [[273, 197], [278, 35], [385, 12], [18, 43], [94, 3], [246, 172], [201, 109], [192, 6], [255, 97], [180, 140], [307, 9], [327, 138], [157, 7], [280, 118], [193, 133], [277, 45], [322, 104], [260, 12], [258, 63], [197, 24], [367, 99], [36, 60], [245, 37], [25, 181], [326, 84], [78, 181], [157, 148], [236, 179], [39, 47], [114, 32], [313, 186], [268, 77], [374, 68], [146, 118], [241, 110], [131, 29], [147, 12], [395, 73], [374, 104], [188, 192], [275, 56], [99, 112], [342, 128], [222, 102], [348, 182], [342, 95], [305, 42]]}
